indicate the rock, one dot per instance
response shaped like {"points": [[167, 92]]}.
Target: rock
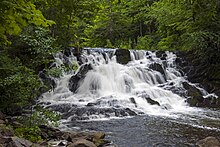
{"points": [[57, 143], [80, 75], [123, 56], [158, 67], [98, 135], [208, 142], [19, 142], [43, 143], [152, 102], [100, 142], [74, 136], [196, 97], [133, 101], [61, 107], [161, 54], [4, 139], [82, 143], [50, 133]]}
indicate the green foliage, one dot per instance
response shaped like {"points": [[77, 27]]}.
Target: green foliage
{"points": [[29, 133], [16, 15], [35, 46], [54, 72], [71, 17], [145, 43], [40, 116], [58, 71], [18, 84], [180, 23]]}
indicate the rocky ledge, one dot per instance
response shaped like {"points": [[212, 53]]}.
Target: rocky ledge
{"points": [[50, 137]]}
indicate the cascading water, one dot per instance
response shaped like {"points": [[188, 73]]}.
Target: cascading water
{"points": [[146, 85], [101, 88]]}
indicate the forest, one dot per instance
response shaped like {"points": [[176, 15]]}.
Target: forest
{"points": [[32, 31]]}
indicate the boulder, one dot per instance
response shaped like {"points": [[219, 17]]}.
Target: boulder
{"points": [[208, 142], [80, 75], [82, 143], [98, 135], [123, 56]]}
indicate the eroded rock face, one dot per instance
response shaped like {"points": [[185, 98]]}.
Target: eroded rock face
{"points": [[123, 56]]}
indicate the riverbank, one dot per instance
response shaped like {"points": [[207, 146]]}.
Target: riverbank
{"points": [[49, 136]]}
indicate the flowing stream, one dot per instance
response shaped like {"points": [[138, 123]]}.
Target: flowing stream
{"points": [[140, 104]]}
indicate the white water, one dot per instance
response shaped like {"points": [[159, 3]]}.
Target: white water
{"points": [[112, 85]]}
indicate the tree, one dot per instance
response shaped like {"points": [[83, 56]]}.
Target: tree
{"points": [[16, 15], [71, 17], [179, 20]]}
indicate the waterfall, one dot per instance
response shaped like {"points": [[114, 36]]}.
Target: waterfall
{"points": [[148, 84]]}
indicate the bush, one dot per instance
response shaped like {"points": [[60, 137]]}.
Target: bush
{"points": [[18, 84], [40, 116]]}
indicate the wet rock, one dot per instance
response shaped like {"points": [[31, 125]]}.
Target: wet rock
{"points": [[123, 56], [91, 104], [158, 67], [195, 94], [48, 81], [133, 101], [61, 107], [208, 142], [82, 143], [83, 113], [210, 102], [130, 112], [56, 143], [161, 54], [74, 80], [73, 83], [152, 102]]}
